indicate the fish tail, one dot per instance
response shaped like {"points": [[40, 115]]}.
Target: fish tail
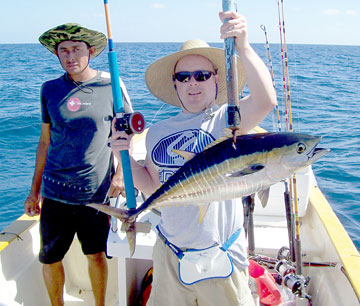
{"points": [[122, 214], [130, 229], [128, 219]]}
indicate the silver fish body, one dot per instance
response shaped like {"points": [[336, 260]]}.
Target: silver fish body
{"points": [[226, 170]]}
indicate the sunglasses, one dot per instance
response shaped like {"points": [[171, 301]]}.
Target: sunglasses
{"points": [[199, 75]]}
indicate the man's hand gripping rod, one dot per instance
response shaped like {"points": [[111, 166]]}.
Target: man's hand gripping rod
{"points": [[233, 110]]}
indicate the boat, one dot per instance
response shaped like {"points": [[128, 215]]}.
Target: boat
{"points": [[331, 262]]}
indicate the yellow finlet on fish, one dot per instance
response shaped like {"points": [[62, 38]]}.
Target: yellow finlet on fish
{"points": [[187, 155]]}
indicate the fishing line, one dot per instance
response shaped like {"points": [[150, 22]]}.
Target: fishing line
{"points": [[127, 61], [157, 113]]}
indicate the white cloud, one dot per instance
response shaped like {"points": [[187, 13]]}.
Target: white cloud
{"points": [[351, 12], [158, 5], [332, 12], [212, 4]]}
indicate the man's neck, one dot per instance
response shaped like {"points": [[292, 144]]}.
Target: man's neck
{"points": [[84, 76]]}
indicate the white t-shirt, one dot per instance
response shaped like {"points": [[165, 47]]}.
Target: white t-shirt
{"points": [[180, 225]]}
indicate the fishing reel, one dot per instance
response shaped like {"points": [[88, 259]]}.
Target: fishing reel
{"points": [[130, 122], [284, 253], [296, 283]]}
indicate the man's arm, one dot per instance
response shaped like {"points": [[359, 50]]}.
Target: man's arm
{"points": [[32, 202], [262, 99]]}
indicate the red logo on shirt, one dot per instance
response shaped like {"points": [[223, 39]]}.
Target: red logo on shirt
{"points": [[73, 104]]}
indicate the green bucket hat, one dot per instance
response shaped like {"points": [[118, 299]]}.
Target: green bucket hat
{"points": [[72, 31]]}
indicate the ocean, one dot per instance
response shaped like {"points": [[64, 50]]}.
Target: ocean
{"points": [[325, 100]]}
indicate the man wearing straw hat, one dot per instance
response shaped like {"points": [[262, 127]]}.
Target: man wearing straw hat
{"points": [[194, 80], [74, 165]]}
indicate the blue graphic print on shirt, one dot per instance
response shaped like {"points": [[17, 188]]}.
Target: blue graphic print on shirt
{"points": [[163, 154]]}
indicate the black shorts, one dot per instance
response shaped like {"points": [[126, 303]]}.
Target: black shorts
{"points": [[58, 224]]}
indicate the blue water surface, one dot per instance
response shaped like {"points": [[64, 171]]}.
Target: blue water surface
{"points": [[325, 100]]}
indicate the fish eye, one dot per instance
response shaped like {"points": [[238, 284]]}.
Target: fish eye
{"points": [[257, 167], [301, 148]]}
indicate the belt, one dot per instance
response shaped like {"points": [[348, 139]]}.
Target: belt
{"points": [[179, 252]]}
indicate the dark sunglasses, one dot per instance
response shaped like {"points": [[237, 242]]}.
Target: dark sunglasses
{"points": [[199, 75]]}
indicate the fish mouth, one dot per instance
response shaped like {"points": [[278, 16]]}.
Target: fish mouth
{"points": [[316, 153]]}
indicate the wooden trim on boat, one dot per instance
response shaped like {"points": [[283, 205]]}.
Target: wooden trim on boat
{"points": [[15, 229], [344, 246]]}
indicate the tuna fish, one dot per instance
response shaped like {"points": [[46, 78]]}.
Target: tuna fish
{"points": [[228, 169]]}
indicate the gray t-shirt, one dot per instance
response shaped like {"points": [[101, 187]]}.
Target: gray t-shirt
{"points": [[79, 162]]}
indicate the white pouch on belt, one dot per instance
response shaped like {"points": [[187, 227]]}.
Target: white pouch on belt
{"points": [[198, 265]]}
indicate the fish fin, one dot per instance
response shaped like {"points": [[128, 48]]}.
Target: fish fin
{"points": [[119, 213], [217, 141], [130, 229], [127, 219], [264, 196], [131, 236], [187, 155], [202, 212], [246, 171]]}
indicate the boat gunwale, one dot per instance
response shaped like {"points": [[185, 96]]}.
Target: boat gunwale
{"points": [[341, 240], [16, 229]]}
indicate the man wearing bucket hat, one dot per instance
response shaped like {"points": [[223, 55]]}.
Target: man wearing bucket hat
{"points": [[74, 165], [194, 80]]}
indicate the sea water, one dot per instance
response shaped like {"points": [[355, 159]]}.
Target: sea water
{"points": [[325, 100]]}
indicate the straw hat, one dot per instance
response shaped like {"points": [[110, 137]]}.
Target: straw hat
{"points": [[159, 75], [72, 31]]}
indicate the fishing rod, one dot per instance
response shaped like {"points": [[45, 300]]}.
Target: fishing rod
{"points": [[128, 122], [293, 185], [293, 181], [233, 110], [289, 209], [272, 73], [234, 118], [286, 68], [283, 69], [249, 206], [287, 197]]}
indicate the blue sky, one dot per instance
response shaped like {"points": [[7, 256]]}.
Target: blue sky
{"points": [[313, 22]]}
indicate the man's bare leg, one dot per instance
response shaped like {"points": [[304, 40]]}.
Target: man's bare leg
{"points": [[54, 277], [98, 272]]}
